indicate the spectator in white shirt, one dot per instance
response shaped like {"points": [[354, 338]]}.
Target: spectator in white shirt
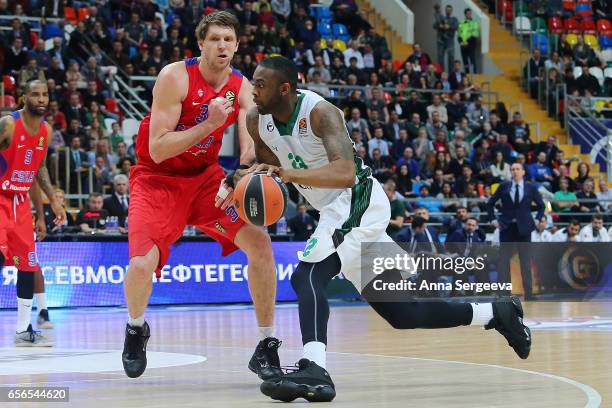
{"points": [[540, 234], [571, 233], [604, 194], [353, 51], [378, 143], [595, 231], [437, 106]]}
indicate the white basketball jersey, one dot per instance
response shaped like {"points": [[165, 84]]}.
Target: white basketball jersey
{"points": [[297, 147]]}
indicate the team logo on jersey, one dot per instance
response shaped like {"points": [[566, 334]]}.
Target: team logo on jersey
{"points": [[270, 126], [16, 260], [302, 127], [230, 96], [200, 93], [220, 227], [41, 141]]}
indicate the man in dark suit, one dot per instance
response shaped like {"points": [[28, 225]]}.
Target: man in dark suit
{"points": [[302, 225], [515, 222], [421, 236], [77, 167], [456, 76], [464, 242], [118, 203]]}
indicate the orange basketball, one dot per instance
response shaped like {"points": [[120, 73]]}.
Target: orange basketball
{"points": [[260, 199]]}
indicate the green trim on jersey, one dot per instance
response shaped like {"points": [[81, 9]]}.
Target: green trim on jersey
{"points": [[361, 193], [287, 129]]}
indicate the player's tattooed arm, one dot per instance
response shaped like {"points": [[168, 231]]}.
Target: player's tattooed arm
{"points": [[328, 124], [263, 153], [7, 126]]}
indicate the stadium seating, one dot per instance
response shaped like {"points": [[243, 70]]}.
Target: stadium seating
{"points": [[555, 25], [340, 32], [571, 25], [51, 31], [597, 73], [587, 26], [522, 26], [604, 27], [591, 41]]}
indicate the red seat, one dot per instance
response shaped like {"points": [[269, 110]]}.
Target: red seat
{"points": [[505, 9], [33, 38], [9, 84], [588, 26], [555, 25], [604, 26], [71, 15], [397, 65], [571, 26], [9, 102], [83, 14], [569, 5], [112, 106]]}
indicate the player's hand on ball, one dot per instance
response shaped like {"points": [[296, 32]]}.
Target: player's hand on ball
{"points": [[218, 111], [269, 169], [40, 228], [60, 213]]}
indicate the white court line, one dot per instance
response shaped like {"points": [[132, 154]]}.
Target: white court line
{"points": [[593, 397]]}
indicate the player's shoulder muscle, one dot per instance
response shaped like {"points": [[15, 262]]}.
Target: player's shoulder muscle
{"points": [[172, 83]]}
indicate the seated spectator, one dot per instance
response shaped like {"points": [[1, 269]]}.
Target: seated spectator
{"points": [[338, 72], [584, 171], [369, 61], [30, 72], [404, 181], [440, 143], [377, 103], [94, 216], [604, 195], [302, 225], [583, 54], [500, 169], [468, 234], [395, 126], [422, 145], [118, 203], [554, 62], [459, 141], [456, 164], [549, 148], [354, 101], [540, 234], [587, 82], [587, 194], [419, 57], [437, 183], [414, 105], [455, 109], [317, 85], [435, 125], [519, 134], [124, 166], [497, 124], [102, 174], [16, 57], [456, 223], [482, 166], [540, 173], [448, 198], [421, 236], [397, 209], [353, 52], [414, 125], [57, 139], [375, 121], [94, 114], [399, 146], [381, 166], [116, 135], [571, 233], [456, 76], [437, 106], [59, 119], [266, 17], [464, 180], [378, 143], [407, 159], [595, 231], [504, 147], [533, 71], [91, 71], [92, 94], [357, 122], [52, 228], [428, 200], [357, 139], [75, 110], [318, 66], [477, 114]]}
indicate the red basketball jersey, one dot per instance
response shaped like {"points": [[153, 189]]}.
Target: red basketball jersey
{"points": [[22, 158], [194, 110]]}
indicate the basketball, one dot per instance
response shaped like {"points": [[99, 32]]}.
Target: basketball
{"points": [[261, 199]]}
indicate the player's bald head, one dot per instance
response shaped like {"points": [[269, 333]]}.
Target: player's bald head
{"points": [[284, 70]]}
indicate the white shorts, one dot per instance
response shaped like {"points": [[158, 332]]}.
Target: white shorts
{"points": [[365, 221]]}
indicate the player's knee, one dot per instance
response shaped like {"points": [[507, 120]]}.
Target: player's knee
{"points": [[140, 268], [299, 278], [259, 248]]}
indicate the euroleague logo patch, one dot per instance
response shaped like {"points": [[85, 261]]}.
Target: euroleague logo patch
{"points": [[230, 96], [302, 127]]}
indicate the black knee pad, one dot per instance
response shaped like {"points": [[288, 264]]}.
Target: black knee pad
{"points": [[25, 285], [315, 274]]}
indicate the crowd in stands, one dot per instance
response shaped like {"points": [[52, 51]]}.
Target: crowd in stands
{"points": [[424, 130]]}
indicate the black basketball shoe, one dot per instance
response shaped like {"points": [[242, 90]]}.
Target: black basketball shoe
{"points": [[134, 355], [265, 361], [310, 382], [508, 320]]}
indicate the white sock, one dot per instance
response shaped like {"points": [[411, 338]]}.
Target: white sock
{"points": [[41, 301], [482, 313], [315, 351], [266, 331], [137, 322], [24, 314]]}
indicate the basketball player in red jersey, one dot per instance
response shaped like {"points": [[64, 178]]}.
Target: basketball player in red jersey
{"points": [[24, 137], [177, 179]]}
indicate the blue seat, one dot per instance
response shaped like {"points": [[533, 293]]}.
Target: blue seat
{"points": [[341, 32], [540, 41], [51, 31], [325, 20], [605, 41], [320, 12], [325, 30]]}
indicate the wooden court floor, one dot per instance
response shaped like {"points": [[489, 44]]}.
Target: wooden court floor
{"points": [[198, 358]]}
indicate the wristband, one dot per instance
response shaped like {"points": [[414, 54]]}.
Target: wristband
{"points": [[229, 180]]}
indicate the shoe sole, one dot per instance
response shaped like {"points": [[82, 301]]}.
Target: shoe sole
{"points": [[264, 378], [46, 325], [288, 391], [134, 374]]}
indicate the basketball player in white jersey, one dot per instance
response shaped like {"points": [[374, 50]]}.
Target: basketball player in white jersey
{"points": [[303, 139]]}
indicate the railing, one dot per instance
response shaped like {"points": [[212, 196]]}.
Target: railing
{"points": [[580, 119]]}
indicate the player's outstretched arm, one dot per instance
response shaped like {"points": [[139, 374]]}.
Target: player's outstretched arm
{"points": [[328, 124], [168, 93], [7, 126]]}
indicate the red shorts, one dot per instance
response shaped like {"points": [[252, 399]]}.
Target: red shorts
{"points": [[161, 206], [17, 233]]}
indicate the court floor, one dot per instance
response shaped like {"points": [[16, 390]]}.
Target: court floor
{"points": [[198, 358]]}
